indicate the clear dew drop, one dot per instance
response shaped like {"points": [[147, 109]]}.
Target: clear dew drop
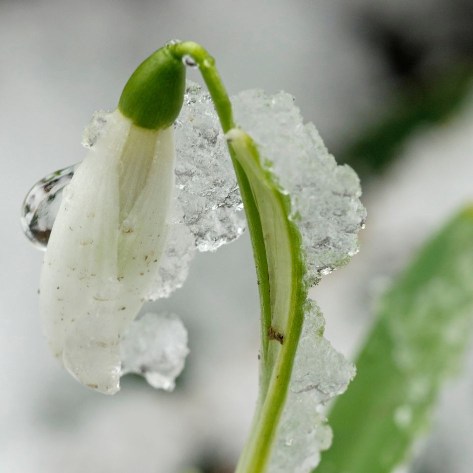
{"points": [[41, 206], [189, 61]]}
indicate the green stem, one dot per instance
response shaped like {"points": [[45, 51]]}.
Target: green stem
{"points": [[211, 77], [279, 266], [223, 107]]}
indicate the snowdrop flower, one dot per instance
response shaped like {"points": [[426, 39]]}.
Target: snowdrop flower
{"points": [[111, 228]]}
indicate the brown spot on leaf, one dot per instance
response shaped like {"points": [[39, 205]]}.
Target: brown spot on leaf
{"points": [[274, 334]]}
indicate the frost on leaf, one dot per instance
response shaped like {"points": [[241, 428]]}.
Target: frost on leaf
{"points": [[155, 346], [324, 196], [326, 208], [319, 374]]}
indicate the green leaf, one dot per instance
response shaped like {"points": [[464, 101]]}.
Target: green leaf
{"points": [[423, 327], [283, 292]]}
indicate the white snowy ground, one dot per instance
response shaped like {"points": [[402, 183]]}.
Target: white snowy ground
{"points": [[62, 60]]}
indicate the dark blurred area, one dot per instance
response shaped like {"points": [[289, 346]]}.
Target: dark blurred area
{"points": [[428, 59]]}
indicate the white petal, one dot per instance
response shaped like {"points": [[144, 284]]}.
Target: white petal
{"points": [[107, 238]]}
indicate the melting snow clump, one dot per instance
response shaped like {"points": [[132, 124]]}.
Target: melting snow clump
{"points": [[207, 209], [207, 187], [319, 374], [155, 346]]}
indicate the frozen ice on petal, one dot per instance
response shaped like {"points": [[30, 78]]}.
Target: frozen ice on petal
{"points": [[95, 128], [155, 346], [319, 374], [176, 259], [324, 196], [205, 179]]}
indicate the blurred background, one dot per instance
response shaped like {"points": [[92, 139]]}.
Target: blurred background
{"points": [[388, 84]]}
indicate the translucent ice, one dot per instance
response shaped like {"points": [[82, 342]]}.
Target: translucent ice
{"points": [[324, 196], [318, 367], [176, 259], [94, 129], [319, 374], [155, 346], [207, 187]]}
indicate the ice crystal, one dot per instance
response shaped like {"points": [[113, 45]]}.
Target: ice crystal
{"points": [[319, 374], [207, 206], [324, 196], [175, 261], [207, 187], [155, 346], [94, 129]]}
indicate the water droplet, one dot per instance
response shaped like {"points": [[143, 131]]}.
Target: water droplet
{"points": [[41, 205], [189, 61], [172, 42]]}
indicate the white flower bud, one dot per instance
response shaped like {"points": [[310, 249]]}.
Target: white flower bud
{"points": [[105, 247]]}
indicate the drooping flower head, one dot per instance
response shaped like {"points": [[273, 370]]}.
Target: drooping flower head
{"points": [[111, 228]]}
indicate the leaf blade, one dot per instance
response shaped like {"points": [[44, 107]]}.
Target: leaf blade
{"points": [[422, 329]]}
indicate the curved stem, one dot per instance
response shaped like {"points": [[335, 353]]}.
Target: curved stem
{"points": [[223, 107], [211, 77]]}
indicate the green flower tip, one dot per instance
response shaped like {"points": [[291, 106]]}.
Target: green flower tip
{"points": [[153, 96]]}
